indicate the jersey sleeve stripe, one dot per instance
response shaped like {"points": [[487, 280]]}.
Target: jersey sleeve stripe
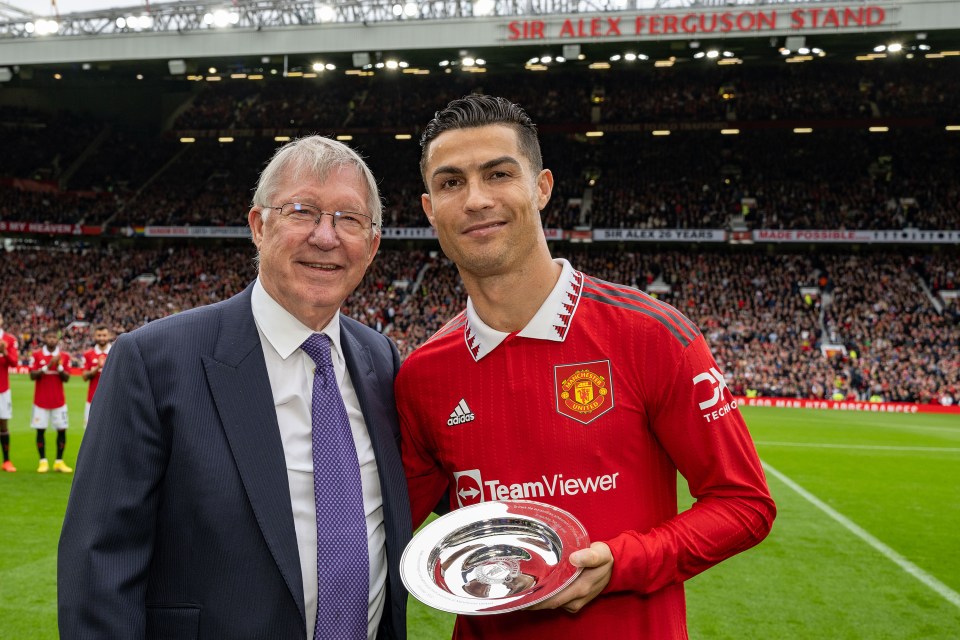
{"points": [[639, 296], [454, 324], [684, 330], [681, 337]]}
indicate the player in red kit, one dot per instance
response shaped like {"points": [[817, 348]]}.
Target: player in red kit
{"points": [[49, 368], [93, 361], [9, 357], [555, 386]]}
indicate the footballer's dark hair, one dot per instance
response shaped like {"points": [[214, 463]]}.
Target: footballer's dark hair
{"points": [[478, 110]]}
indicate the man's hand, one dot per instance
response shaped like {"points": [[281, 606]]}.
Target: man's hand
{"points": [[597, 563]]}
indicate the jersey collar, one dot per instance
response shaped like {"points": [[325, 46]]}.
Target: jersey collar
{"points": [[47, 352], [551, 321]]}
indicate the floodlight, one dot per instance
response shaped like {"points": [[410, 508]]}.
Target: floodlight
{"points": [[484, 7], [45, 27], [325, 13]]}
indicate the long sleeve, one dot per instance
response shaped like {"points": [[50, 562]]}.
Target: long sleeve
{"points": [[108, 534], [697, 423], [426, 479]]}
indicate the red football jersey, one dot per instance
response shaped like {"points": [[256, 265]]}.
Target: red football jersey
{"points": [[49, 387], [94, 358], [593, 407], [8, 359]]}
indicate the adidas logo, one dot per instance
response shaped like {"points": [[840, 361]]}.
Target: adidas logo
{"points": [[461, 414]]}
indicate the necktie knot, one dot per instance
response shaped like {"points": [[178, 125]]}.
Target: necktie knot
{"points": [[317, 346]]}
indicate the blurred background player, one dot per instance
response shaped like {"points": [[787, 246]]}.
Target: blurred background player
{"points": [[93, 361], [9, 357], [49, 368]]}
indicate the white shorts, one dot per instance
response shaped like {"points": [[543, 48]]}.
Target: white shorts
{"points": [[43, 418], [86, 415], [6, 405]]}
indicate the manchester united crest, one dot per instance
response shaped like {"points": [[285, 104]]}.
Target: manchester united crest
{"points": [[584, 390]]}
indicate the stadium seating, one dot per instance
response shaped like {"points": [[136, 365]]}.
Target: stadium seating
{"points": [[883, 333], [852, 322]]}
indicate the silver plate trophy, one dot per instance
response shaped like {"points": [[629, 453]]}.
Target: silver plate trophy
{"points": [[493, 557]]}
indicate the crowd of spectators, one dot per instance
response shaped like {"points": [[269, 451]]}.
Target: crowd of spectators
{"points": [[899, 346], [762, 93], [799, 325], [872, 328], [840, 176], [625, 94], [71, 287], [688, 180], [41, 145], [778, 180]]}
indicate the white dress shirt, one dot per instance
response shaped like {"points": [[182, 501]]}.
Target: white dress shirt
{"points": [[290, 371]]}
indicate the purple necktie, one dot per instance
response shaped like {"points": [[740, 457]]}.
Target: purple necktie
{"points": [[343, 563]]}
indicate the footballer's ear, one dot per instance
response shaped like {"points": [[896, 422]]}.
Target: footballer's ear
{"points": [[427, 205], [544, 188]]}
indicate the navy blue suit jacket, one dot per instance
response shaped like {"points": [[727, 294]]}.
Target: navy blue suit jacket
{"points": [[179, 523]]}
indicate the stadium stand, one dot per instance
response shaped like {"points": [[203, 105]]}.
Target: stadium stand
{"points": [[869, 330], [806, 321], [693, 178]]}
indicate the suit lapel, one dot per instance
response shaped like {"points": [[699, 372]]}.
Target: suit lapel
{"points": [[375, 393], [364, 378], [237, 375], [376, 414]]}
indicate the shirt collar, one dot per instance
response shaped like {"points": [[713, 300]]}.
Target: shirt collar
{"points": [[47, 352], [551, 321], [98, 350], [281, 329]]}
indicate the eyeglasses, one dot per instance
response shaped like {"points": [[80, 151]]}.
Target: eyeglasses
{"points": [[349, 222]]}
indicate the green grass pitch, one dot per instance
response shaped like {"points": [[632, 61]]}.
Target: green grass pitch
{"points": [[864, 546]]}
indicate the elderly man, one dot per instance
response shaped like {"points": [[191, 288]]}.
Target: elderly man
{"points": [[240, 476]]}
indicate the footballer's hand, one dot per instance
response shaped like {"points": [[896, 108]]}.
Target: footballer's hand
{"points": [[597, 563]]}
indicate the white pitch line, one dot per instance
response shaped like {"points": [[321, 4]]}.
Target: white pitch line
{"points": [[868, 447], [943, 590]]}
